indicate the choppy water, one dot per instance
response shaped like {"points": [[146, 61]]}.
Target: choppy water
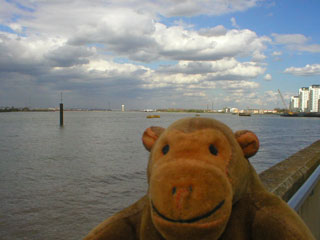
{"points": [[58, 183]]}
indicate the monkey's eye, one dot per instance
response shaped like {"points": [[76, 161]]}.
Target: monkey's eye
{"points": [[165, 149], [213, 150]]}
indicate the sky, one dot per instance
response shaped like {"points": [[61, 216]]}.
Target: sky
{"points": [[157, 53]]}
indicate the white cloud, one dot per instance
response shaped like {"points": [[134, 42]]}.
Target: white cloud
{"points": [[195, 7], [313, 48], [71, 46], [308, 70], [214, 31], [7, 10], [226, 68], [47, 10], [195, 94], [130, 29], [16, 27], [289, 39], [180, 44], [276, 53], [238, 86], [234, 23], [242, 71], [296, 42], [271, 95], [268, 77], [28, 54], [258, 56], [226, 74], [240, 93], [252, 99]]}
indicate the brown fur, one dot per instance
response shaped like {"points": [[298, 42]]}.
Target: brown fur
{"points": [[202, 186]]}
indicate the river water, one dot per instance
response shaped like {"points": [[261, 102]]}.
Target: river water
{"points": [[58, 183]]}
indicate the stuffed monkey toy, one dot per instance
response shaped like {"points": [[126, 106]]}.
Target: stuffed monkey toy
{"points": [[202, 187]]}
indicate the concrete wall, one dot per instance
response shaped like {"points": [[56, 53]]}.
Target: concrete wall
{"points": [[286, 177]]}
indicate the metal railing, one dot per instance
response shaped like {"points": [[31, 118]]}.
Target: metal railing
{"points": [[297, 200]]}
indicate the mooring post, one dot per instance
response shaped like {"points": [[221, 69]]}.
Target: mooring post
{"points": [[61, 112]]}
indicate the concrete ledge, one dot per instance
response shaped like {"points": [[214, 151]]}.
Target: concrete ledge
{"points": [[286, 177]]}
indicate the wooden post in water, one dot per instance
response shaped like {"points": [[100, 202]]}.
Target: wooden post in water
{"points": [[61, 112]]}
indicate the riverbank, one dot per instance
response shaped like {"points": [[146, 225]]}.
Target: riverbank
{"points": [[287, 177]]}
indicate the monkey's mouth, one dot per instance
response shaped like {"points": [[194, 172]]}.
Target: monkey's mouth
{"points": [[190, 220]]}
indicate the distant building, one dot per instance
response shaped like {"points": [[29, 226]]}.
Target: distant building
{"points": [[294, 103], [234, 110], [314, 96], [269, 111], [226, 109], [254, 111], [122, 108], [303, 99]]}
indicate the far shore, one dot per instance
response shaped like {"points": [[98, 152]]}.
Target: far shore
{"points": [[170, 110]]}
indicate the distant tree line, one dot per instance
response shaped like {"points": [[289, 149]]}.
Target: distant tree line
{"points": [[14, 109], [278, 110], [182, 110], [24, 109]]}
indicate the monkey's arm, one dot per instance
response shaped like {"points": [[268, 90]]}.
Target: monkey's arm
{"points": [[121, 226], [276, 220]]}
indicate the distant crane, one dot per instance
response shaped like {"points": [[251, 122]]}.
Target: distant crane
{"points": [[284, 103], [287, 110]]}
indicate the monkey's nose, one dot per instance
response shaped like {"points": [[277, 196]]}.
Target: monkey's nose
{"points": [[183, 189], [180, 194]]}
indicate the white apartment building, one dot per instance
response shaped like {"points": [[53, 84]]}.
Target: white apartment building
{"points": [[303, 99], [314, 96], [294, 103]]}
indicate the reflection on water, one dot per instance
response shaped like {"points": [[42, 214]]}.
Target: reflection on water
{"points": [[58, 183]]}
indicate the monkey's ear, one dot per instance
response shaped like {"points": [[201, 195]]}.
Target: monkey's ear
{"points": [[150, 136], [248, 141]]}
